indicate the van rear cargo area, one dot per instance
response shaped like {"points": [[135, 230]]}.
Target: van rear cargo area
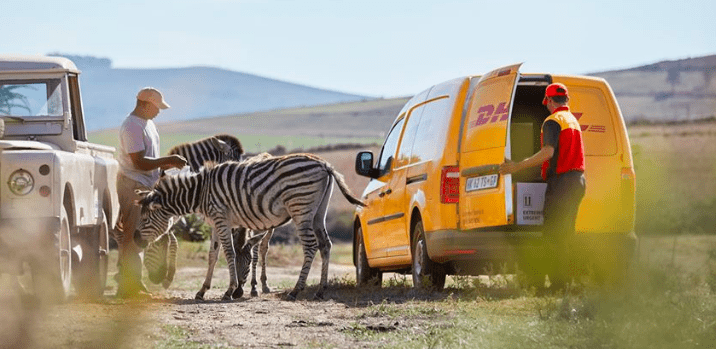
{"points": [[528, 114]]}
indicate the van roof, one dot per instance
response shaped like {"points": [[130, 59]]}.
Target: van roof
{"points": [[27, 63]]}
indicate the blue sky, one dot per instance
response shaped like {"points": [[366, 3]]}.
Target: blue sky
{"points": [[376, 48]]}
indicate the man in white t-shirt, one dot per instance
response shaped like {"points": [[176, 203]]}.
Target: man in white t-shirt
{"points": [[139, 163]]}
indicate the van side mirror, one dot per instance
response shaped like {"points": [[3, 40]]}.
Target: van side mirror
{"points": [[364, 165]]}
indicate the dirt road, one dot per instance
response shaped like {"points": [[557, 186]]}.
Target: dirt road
{"points": [[172, 318]]}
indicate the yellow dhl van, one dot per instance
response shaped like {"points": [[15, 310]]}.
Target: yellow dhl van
{"points": [[437, 206]]}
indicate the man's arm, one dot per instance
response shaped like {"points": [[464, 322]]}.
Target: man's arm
{"points": [[145, 163], [541, 156]]}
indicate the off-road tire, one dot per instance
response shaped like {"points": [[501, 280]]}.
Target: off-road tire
{"points": [[92, 270]]}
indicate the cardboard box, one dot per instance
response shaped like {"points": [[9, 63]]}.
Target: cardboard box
{"points": [[530, 203]]}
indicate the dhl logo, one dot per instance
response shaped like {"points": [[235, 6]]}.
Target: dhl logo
{"points": [[590, 128], [488, 114]]}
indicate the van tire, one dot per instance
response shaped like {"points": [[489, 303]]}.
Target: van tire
{"points": [[427, 274], [365, 275]]}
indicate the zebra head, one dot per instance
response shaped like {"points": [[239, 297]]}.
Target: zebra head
{"points": [[229, 148], [156, 218], [243, 258]]}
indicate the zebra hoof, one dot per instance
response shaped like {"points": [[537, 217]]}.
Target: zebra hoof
{"points": [[318, 296], [254, 293], [291, 296], [226, 297], [265, 289], [238, 293], [199, 296]]}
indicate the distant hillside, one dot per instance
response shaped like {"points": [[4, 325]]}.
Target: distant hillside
{"points": [[666, 91], [364, 122], [193, 92]]}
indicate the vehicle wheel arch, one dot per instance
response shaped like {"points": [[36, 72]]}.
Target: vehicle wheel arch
{"points": [[69, 203], [356, 225], [415, 217], [107, 205]]}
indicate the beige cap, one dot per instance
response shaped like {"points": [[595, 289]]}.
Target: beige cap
{"points": [[152, 95]]}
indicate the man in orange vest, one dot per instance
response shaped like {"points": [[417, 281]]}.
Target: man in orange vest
{"points": [[562, 160]]}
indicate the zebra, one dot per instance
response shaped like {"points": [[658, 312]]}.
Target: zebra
{"points": [[219, 148], [259, 195]]}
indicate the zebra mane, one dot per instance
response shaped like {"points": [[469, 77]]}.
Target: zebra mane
{"points": [[231, 141]]}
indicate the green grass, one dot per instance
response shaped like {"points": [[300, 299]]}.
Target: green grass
{"points": [[657, 309]]}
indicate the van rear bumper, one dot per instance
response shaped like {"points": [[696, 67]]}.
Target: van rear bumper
{"points": [[499, 247]]}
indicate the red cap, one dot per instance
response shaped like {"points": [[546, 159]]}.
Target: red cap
{"points": [[553, 90]]}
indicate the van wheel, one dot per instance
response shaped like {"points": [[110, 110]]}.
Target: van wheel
{"points": [[426, 273], [52, 273], [365, 275], [92, 276]]}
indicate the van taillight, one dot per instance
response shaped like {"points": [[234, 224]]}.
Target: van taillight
{"points": [[450, 185]]}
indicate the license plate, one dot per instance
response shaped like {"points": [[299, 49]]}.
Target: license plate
{"points": [[482, 182]]}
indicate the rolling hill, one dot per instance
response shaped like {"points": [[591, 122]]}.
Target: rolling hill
{"points": [[193, 92], [665, 91], [677, 90]]}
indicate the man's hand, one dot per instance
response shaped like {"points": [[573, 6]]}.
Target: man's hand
{"points": [[173, 161]]}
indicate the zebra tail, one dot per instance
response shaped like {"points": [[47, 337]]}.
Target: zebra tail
{"points": [[344, 187]]}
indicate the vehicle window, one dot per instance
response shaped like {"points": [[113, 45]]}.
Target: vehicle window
{"points": [[433, 127], [31, 98], [78, 128], [390, 146], [406, 144]]}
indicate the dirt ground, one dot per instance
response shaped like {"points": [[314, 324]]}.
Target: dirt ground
{"points": [[172, 318]]}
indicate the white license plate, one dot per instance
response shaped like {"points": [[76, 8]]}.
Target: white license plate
{"points": [[482, 182]]}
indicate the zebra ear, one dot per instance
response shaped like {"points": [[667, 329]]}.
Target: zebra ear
{"points": [[221, 145], [154, 205]]}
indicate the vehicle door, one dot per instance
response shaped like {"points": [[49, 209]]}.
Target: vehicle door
{"points": [[374, 215], [485, 196], [396, 200]]}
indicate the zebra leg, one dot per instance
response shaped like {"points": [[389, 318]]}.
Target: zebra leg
{"points": [[172, 256], [324, 241], [224, 232], [309, 244], [264, 252], [213, 256], [254, 262]]}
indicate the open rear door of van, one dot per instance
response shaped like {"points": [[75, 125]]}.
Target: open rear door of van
{"points": [[485, 196]]}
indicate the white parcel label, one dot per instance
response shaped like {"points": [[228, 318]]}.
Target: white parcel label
{"points": [[530, 203]]}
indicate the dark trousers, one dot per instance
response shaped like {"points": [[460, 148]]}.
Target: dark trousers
{"points": [[561, 205]]}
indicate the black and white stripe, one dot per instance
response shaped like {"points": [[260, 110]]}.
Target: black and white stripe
{"points": [[257, 194], [217, 149]]}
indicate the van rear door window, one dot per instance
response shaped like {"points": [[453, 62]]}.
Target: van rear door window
{"points": [[590, 107]]}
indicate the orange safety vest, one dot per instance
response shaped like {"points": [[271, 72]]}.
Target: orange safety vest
{"points": [[570, 151]]}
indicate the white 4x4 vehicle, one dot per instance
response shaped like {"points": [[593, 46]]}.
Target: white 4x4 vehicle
{"points": [[58, 195]]}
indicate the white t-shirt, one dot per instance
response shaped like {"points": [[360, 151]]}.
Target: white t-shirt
{"points": [[137, 134]]}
